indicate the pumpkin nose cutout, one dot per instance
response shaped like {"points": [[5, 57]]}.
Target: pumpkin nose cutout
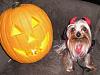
{"points": [[30, 39], [78, 34]]}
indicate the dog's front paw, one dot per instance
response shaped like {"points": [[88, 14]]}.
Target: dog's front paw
{"points": [[91, 67], [69, 69]]}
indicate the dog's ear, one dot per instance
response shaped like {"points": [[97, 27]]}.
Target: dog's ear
{"points": [[64, 34], [87, 20], [73, 20]]}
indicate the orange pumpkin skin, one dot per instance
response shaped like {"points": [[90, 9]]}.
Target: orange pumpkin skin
{"points": [[26, 33]]}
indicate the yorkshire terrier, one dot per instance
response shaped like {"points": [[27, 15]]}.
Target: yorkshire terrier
{"points": [[78, 44]]}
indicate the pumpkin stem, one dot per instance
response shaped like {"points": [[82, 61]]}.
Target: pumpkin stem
{"points": [[16, 4]]}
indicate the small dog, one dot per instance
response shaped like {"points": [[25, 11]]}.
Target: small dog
{"points": [[78, 40]]}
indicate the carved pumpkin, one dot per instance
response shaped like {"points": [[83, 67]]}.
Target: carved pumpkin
{"points": [[26, 33]]}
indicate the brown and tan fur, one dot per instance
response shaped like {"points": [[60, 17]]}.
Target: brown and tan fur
{"points": [[85, 39]]}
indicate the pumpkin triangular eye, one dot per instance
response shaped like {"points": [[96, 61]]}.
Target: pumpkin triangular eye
{"points": [[34, 22], [15, 31]]}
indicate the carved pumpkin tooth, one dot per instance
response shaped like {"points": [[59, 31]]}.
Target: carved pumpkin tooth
{"points": [[29, 52], [34, 51]]}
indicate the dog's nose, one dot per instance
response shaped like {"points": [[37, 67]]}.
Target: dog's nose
{"points": [[78, 34]]}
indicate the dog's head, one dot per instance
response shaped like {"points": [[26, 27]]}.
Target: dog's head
{"points": [[79, 35], [79, 29]]}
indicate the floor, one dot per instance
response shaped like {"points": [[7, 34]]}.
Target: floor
{"points": [[50, 65]]}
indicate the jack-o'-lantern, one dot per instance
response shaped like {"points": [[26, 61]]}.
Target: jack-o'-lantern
{"points": [[26, 33]]}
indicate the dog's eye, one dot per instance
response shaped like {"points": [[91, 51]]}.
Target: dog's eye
{"points": [[84, 29], [73, 29]]}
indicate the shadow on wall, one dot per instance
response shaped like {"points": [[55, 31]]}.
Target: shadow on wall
{"points": [[93, 1]]}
